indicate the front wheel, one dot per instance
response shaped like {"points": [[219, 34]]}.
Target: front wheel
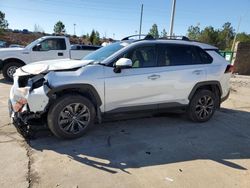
{"points": [[202, 106], [9, 69], [71, 116]]}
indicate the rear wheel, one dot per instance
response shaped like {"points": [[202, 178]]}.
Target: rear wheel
{"points": [[202, 106], [9, 69], [71, 116]]}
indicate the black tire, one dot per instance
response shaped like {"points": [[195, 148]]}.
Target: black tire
{"points": [[9, 69], [60, 111], [202, 106]]}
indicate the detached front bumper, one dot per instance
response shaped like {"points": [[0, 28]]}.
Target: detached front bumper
{"points": [[18, 122], [28, 103], [29, 94]]}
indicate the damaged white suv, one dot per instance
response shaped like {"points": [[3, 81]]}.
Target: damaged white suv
{"points": [[127, 76]]}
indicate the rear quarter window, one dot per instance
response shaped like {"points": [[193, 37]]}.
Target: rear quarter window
{"points": [[204, 56]]}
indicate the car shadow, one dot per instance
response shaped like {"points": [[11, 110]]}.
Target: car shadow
{"points": [[165, 139]]}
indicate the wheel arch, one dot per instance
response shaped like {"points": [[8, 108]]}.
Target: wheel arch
{"points": [[85, 90], [213, 86], [13, 60]]}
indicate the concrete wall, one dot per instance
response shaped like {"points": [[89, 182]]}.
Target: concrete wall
{"points": [[242, 58]]}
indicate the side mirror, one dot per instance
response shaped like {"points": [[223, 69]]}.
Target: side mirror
{"points": [[37, 47], [122, 63]]}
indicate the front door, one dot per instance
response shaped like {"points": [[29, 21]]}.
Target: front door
{"points": [[133, 88]]}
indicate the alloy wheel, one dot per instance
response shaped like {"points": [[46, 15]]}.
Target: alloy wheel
{"points": [[204, 107], [74, 118]]}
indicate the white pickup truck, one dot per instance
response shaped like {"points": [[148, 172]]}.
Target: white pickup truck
{"points": [[44, 48]]}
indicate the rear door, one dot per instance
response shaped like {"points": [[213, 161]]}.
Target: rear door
{"points": [[181, 68], [49, 49]]}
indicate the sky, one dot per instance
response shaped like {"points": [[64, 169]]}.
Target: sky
{"points": [[113, 18]]}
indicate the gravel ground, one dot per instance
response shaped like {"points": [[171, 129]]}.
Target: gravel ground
{"points": [[240, 81]]}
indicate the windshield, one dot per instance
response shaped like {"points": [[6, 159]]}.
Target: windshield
{"points": [[105, 52], [33, 43]]}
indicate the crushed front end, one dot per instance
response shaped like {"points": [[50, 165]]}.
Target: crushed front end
{"points": [[28, 102]]}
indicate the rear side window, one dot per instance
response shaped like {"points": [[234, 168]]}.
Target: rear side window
{"points": [[176, 55]]}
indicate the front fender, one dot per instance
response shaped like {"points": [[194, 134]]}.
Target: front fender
{"points": [[82, 88]]}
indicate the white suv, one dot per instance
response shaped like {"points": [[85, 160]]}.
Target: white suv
{"points": [[127, 76]]}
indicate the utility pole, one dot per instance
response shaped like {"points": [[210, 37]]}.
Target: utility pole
{"points": [[141, 21], [171, 29], [235, 37], [74, 29]]}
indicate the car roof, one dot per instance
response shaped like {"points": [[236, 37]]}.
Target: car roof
{"points": [[172, 41]]}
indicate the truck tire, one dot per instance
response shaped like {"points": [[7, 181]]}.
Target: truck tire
{"points": [[202, 106], [9, 69], [71, 116]]}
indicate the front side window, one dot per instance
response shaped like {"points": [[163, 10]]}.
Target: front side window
{"points": [[142, 57], [51, 44]]}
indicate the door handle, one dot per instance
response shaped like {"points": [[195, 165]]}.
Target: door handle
{"points": [[197, 72], [154, 77], [60, 54]]}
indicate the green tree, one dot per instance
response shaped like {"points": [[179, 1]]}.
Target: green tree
{"points": [[226, 36], [59, 28], [222, 37], [209, 35], [154, 31], [92, 36], [164, 33], [3, 22], [243, 37], [194, 32], [97, 38]]}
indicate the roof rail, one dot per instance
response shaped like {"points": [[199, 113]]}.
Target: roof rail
{"points": [[176, 38], [150, 37], [146, 37]]}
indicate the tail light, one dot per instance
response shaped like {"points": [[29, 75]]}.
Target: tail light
{"points": [[229, 69]]}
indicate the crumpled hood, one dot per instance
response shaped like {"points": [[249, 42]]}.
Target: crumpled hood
{"points": [[50, 65]]}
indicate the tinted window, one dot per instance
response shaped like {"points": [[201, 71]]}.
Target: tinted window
{"points": [[51, 44], [174, 55], [205, 57], [83, 47], [90, 48], [142, 56]]}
